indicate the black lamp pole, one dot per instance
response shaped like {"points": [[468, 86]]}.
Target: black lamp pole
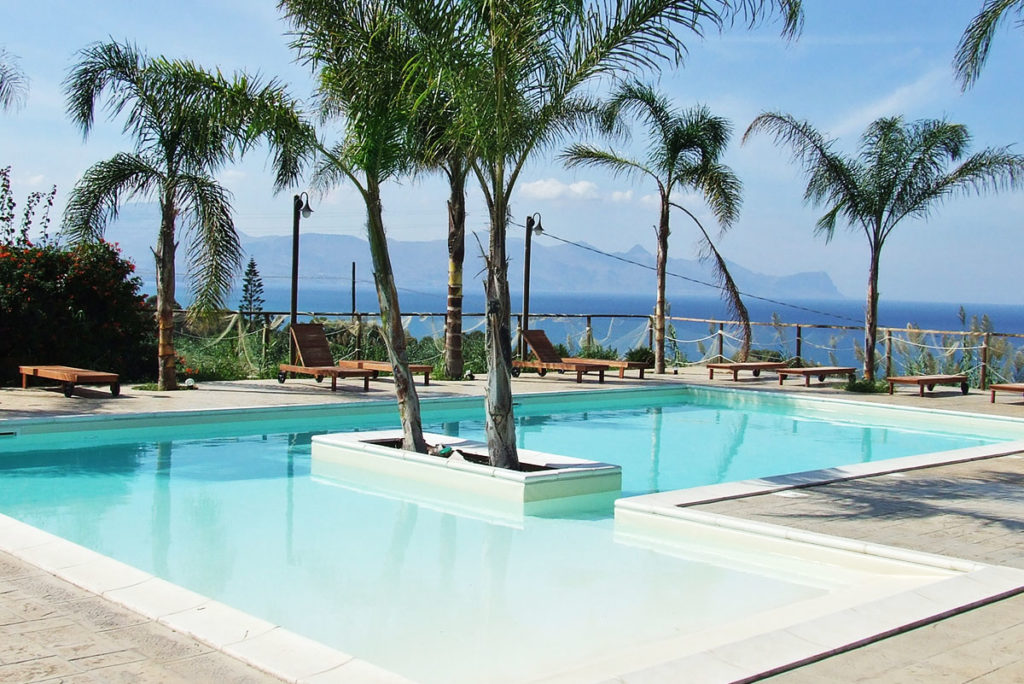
{"points": [[300, 209], [532, 226]]}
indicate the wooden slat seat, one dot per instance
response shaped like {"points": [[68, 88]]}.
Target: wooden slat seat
{"points": [[820, 372], [69, 376], [548, 359], [1005, 387], [385, 367], [929, 381], [315, 358], [736, 366]]}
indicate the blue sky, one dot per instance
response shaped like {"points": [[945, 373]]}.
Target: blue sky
{"points": [[854, 62]]}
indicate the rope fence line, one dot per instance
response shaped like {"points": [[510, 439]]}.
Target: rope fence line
{"points": [[998, 355]]}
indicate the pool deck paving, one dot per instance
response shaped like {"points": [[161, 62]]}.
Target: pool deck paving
{"points": [[51, 630]]}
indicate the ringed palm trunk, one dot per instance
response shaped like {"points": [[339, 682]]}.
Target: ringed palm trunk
{"points": [[500, 425], [453, 361], [164, 254], [871, 315], [661, 265], [391, 319]]}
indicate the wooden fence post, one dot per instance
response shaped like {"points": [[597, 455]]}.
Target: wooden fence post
{"points": [[983, 380], [888, 353], [650, 332], [359, 336], [799, 346], [590, 334], [721, 343]]}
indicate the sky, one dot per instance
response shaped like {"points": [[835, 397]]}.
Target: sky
{"points": [[853, 62]]}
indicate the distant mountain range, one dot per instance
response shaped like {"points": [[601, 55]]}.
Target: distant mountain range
{"points": [[325, 260]]}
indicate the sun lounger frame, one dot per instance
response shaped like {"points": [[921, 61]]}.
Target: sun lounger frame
{"points": [[821, 372], [1005, 387], [929, 381], [736, 366], [69, 377], [378, 367]]}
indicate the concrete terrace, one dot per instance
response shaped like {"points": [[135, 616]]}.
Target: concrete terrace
{"points": [[51, 630]]}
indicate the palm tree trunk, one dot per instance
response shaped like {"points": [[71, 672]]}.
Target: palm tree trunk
{"points": [[164, 254], [500, 422], [871, 315], [661, 264], [391, 320], [453, 360]]}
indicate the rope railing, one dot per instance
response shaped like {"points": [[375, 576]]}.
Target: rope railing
{"points": [[982, 353]]}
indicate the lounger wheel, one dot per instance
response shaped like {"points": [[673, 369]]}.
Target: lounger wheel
{"points": [[281, 376], [69, 389], [963, 388], [542, 372], [757, 372], [318, 378], [516, 372], [931, 387], [561, 371], [821, 378], [115, 389]]}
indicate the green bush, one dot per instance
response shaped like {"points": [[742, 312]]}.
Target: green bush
{"points": [[77, 306], [865, 386], [596, 351], [644, 354]]}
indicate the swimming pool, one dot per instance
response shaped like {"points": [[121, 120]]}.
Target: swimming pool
{"points": [[435, 594]]}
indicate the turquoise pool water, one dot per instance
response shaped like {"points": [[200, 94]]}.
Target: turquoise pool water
{"points": [[440, 597]]}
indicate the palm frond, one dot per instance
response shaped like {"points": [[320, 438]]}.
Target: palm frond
{"points": [[975, 43], [13, 82], [215, 253], [96, 197], [580, 155]]}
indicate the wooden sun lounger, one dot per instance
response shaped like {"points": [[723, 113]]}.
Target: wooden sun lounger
{"points": [[821, 372], [549, 359], [929, 381], [1006, 387], [385, 366], [621, 364], [315, 358], [736, 366], [69, 377], [542, 368]]}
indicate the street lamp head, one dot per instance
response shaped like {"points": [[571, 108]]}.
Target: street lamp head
{"points": [[302, 204], [534, 224]]}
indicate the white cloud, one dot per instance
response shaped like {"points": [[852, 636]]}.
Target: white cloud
{"points": [[903, 99], [651, 200], [620, 196], [554, 189]]}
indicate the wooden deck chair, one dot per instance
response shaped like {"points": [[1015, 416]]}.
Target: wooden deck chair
{"points": [[548, 359], [315, 358], [544, 350]]}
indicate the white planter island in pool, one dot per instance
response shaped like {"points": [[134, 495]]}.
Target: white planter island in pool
{"points": [[548, 484]]}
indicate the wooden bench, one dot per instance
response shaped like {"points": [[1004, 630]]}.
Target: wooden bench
{"points": [[321, 372], [929, 381], [542, 368], [619, 364], [736, 366], [385, 366], [69, 377], [1006, 387], [821, 372]]}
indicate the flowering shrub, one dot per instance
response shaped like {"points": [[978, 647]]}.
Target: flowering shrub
{"points": [[77, 306]]}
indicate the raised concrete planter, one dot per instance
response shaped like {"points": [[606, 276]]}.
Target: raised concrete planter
{"points": [[558, 485]]}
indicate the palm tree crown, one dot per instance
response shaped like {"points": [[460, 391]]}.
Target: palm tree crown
{"points": [[186, 124], [13, 84], [683, 151], [902, 170]]}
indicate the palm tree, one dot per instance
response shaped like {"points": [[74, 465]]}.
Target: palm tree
{"points": [[13, 85], [901, 170], [359, 49], [516, 69], [186, 124], [974, 45], [683, 152]]}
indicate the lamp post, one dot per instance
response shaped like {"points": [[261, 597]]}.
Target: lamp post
{"points": [[532, 226], [300, 209]]}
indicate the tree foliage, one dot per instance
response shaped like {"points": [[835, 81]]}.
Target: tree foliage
{"points": [[976, 42]]}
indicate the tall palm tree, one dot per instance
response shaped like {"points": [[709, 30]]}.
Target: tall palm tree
{"points": [[517, 69], [186, 124], [901, 170], [13, 84], [359, 49], [683, 152], [972, 51]]}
